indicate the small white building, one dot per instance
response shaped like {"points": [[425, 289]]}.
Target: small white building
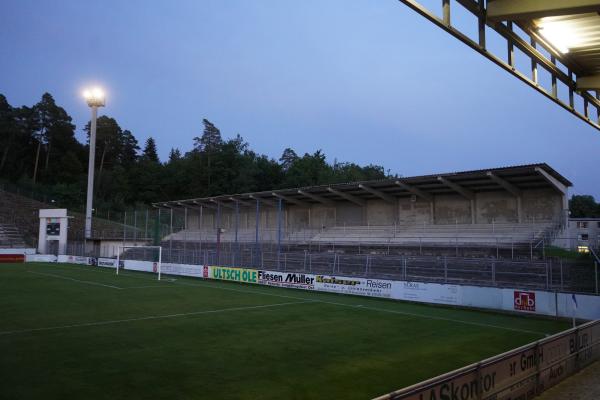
{"points": [[583, 233]]}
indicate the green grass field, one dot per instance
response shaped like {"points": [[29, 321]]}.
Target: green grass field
{"points": [[78, 332]]}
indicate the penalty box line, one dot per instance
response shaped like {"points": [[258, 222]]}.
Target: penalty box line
{"points": [[75, 280], [151, 317], [357, 306], [98, 283]]}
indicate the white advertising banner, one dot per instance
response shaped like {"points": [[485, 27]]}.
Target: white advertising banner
{"points": [[74, 260], [40, 258], [17, 251], [107, 262], [183, 269], [357, 286], [134, 265], [287, 279], [427, 292]]}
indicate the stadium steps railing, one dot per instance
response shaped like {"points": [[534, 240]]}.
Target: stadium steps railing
{"points": [[10, 236]]}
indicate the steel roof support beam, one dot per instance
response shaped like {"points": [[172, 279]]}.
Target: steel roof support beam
{"points": [[264, 201], [515, 191], [290, 200], [349, 197], [172, 204], [591, 82], [466, 193], [501, 10], [210, 206], [242, 202], [415, 191], [552, 181], [378, 193], [220, 203], [561, 189], [315, 197]]}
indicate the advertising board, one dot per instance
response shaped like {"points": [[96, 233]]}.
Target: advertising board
{"points": [[427, 292], [192, 270], [524, 301], [12, 258], [74, 260], [136, 265], [287, 279], [518, 374], [356, 286], [40, 258], [106, 262], [234, 274]]}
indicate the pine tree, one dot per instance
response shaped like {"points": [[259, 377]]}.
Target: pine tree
{"points": [[210, 140], [130, 148], [174, 155], [7, 130], [288, 157], [149, 153]]}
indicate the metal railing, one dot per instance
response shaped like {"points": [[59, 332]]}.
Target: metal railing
{"points": [[520, 373], [549, 274]]}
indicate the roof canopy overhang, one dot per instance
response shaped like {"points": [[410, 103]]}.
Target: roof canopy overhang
{"points": [[559, 36], [513, 180]]}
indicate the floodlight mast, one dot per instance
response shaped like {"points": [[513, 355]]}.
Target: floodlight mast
{"points": [[95, 98]]}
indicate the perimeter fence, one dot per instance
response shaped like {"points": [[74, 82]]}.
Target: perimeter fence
{"points": [[549, 274], [522, 373]]}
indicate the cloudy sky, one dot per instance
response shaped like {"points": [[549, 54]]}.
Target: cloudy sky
{"points": [[366, 81]]}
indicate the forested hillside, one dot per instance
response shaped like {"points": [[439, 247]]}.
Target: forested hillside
{"points": [[40, 153]]}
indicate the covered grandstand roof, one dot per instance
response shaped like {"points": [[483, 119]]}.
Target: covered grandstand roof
{"points": [[571, 27], [513, 179], [560, 37]]}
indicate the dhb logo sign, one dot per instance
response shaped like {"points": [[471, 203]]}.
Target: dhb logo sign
{"points": [[524, 301]]}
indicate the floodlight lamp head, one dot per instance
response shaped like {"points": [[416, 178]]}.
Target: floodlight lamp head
{"points": [[95, 97]]}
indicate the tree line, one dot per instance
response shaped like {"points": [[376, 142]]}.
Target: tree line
{"points": [[584, 206], [39, 152]]}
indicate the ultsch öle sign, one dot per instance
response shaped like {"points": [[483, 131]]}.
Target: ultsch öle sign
{"points": [[234, 274]]}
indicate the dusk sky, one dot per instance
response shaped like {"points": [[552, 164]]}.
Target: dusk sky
{"points": [[365, 81]]}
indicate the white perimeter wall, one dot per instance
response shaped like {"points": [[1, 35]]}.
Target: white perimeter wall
{"points": [[513, 300]]}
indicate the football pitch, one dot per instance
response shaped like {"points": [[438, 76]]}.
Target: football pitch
{"points": [[81, 332]]}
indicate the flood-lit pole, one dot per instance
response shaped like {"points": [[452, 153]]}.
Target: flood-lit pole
{"points": [[94, 98]]}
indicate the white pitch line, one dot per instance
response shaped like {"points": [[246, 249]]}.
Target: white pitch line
{"points": [[75, 280], [148, 287], [151, 317], [409, 314]]}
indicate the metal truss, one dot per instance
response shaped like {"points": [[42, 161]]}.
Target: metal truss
{"points": [[529, 42]]}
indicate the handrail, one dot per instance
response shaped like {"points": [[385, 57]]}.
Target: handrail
{"points": [[482, 380]]}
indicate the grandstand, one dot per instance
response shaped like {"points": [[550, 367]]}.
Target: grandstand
{"points": [[485, 227], [501, 208]]}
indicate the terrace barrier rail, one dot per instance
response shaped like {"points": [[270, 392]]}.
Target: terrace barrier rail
{"points": [[522, 373]]}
